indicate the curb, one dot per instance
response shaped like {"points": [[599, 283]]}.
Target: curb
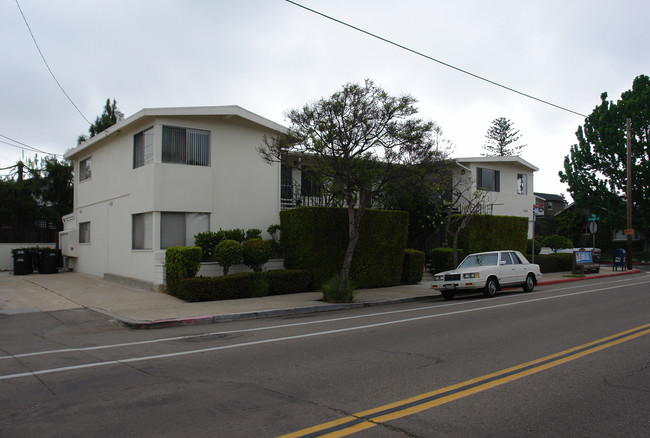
{"points": [[212, 319], [571, 279]]}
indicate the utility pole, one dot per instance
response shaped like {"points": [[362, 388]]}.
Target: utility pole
{"points": [[629, 230]]}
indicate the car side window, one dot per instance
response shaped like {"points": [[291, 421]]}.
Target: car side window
{"points": [[515, 259], [505, 257]]}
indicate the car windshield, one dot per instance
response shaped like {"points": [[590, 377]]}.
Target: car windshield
{"points": [[490, 259]]}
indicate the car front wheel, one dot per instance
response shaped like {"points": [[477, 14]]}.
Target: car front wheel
{"points": [[491, 287], [448, 295], [529, 284]]}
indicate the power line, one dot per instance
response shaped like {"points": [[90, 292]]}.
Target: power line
{"points": [[386, 40], [47, 65], [25, 146]]}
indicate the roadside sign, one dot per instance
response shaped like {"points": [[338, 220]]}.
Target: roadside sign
{"points": [[593, 227], [629, 232], [539, 209], [593, 218]]}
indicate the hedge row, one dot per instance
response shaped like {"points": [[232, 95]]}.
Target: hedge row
{"points": [[413, 266], [244, 285], [181, 262], [553, 262], [491, 233], [442, 259], [315, 239]]}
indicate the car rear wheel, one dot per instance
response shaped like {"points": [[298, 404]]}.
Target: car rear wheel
{"points": [[529, 284], [491, 288], [448, 294]]}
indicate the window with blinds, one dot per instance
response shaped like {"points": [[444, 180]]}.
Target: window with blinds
{"points": [[185, 146], [143, 148]]}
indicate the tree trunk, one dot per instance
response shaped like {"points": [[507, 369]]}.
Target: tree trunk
{"points": [[354, 219]]}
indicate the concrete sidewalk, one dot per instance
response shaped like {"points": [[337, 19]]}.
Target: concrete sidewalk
{"points": [[138, 308]]}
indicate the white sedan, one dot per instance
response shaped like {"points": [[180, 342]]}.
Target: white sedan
{"points": [[489, 271]]}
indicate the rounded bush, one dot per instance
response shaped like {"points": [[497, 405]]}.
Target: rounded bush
{"points": [[256, 252], [228, 253]]}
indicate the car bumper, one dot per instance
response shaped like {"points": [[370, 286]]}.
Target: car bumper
{"points": [[458, 285]]}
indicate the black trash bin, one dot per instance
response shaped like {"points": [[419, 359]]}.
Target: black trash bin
{"points": [[47, 261], [23, 261]]}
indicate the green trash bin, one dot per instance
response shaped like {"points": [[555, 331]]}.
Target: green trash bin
{"points": [[23, 261], [47, 261]]}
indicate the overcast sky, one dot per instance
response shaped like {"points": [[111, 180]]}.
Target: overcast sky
{"points": [[270, 56]]}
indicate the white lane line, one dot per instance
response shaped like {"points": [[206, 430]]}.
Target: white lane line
{"points": [[281, 326], [288, 338]]}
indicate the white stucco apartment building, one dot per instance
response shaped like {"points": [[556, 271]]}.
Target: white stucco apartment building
{"points": [[506, 181], [158, 177]]}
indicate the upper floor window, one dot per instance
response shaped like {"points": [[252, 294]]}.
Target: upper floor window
{"points": [[143, 148], [487, 179], [522, 184], [186, 146], [84, 169]]}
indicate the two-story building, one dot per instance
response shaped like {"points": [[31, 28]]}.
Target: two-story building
{"points": [[162, 175], [506, 182], [157, 178]]}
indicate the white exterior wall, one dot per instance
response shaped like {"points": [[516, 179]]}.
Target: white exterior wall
{"points": [[506, 202], [238, 190]]}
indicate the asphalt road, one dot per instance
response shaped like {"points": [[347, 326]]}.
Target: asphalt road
{"points": [[565, 360]]}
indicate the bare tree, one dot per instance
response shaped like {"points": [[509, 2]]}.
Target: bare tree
{"points": [[464, 205]]}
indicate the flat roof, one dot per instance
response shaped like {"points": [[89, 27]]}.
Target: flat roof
{"points": [[222, 111]]}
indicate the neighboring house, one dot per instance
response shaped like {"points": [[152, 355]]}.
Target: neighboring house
{"points": [[157, 178], [553, 204], [506, 180]]}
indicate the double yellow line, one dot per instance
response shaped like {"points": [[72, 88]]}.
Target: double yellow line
{"points": [[373, 417]]}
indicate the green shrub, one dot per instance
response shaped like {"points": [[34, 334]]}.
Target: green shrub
{"points": [[228, 287], [207, 242], [256, 252], [276, 248], [316, 238], [413, 266], [442, 259], [333, 293], [289, 281], [244, 285], [555, 242], [529, 246], [554, 262], [181, 262], [253, 233], [259, 284], [228, 253], [492, 233], [236, 234]]}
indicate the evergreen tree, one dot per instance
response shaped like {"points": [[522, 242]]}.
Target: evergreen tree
{"points": [[500, 138], [107, 119]]}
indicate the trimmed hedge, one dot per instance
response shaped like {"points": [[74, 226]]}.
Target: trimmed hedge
{"points": [[289, 281], [553, 262], [315, 239], [242, 285], [442, 259], [181, 262], [413, 266], [492, 233]]}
